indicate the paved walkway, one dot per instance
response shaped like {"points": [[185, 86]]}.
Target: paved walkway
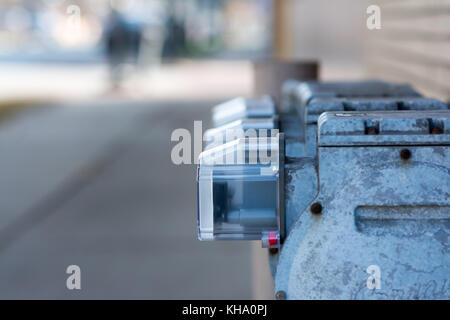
{"points": [[93, 185]]}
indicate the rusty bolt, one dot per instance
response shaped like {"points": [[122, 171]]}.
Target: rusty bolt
{"points": [[371, 130], [316, 208], [405, 154], [436, 130], [280, 295], [273, 250]]}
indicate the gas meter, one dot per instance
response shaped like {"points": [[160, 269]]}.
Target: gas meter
{"points": [[348, 176]]}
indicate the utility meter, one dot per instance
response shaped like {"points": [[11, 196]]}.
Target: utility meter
{"points": [[248, 127], [240, 108], [240, 191], [366, 185]]}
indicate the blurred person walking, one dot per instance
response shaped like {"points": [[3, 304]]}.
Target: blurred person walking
{"points": [[122, 45]]}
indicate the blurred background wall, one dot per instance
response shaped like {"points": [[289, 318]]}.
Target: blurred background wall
{"points": [[413, 44]]}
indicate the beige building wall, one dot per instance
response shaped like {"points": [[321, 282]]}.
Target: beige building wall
{"points": [[332, 32], [413, 44]]}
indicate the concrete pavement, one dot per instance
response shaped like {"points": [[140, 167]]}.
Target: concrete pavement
{"points": [[92, 184]]}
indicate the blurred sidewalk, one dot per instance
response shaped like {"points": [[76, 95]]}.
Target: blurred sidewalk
{"points": [[92, 184]]}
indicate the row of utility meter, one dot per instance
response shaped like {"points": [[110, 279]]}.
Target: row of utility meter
{"points": [[348, 183]]}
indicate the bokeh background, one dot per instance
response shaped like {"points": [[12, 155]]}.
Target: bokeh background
{"points": [[90, 92]]}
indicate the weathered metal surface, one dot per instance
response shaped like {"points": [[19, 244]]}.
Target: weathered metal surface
{"points": [[311, 99], [353, 89], [393, 128], [300, 187], [378, 209], [364, 197]]}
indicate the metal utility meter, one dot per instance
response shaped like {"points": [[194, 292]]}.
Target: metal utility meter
{"points": [[241, 108], [239, 191], [252, 127], [355, 179], [240, 176]]}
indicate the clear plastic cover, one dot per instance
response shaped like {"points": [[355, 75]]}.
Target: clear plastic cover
{"points": [[239, 190], [240, 108], [249, 127]]}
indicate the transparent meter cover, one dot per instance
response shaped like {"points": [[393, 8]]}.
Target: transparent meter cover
{"points": [[248, 127], [239, 189], [240, 107]]}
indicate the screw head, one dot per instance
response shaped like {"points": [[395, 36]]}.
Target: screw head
{"points": [[405, 154], [280, 295], [316, 208], [371, 130], [436, 130]]}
